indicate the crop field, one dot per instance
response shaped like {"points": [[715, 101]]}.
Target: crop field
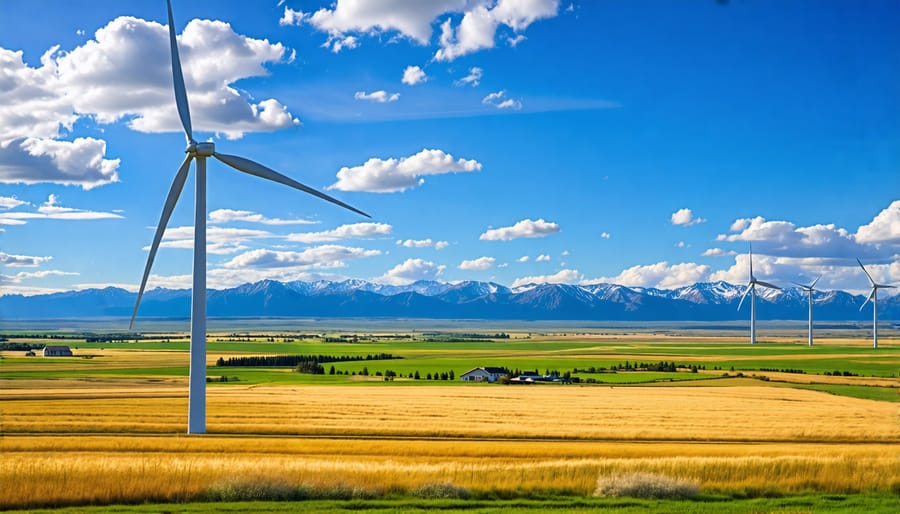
{"points": [[737, 422]]}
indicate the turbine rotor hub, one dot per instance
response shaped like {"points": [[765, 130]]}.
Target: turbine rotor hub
{"points": [[201, 149]]}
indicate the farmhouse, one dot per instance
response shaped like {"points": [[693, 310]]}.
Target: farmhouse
{"points": [[57, 351], [483, 374]]}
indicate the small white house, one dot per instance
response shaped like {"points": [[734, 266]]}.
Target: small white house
{"points": [[57, 351], [483, 374]]}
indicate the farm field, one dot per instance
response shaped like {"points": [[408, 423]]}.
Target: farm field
{"points": [[741, 423]]}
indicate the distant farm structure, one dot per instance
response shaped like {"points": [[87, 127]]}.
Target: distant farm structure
{"points": [[56, 351], [484, 374]]}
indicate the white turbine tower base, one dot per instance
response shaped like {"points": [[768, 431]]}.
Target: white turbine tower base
{"points": [[809, 289], [873, 296], [200, 152], [751, 288]]}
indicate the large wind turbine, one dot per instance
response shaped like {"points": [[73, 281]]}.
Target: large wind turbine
{"points": [[200, 151], [809, 289], [873, 295], [751, 288]]}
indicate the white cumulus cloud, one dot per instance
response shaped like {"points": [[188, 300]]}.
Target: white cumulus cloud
{"points": [[52, 210], [661, 275], [564, 276], [413, 75], [472, 79], [377, 96], [476, 30], [395, 175], [21, 261], [685, 217], [423, 243], [542, 258], [410, 271], [325, 256], [523, 228], [229, 215], [884, 228], [479, 264], [10, 202], [500, 101], [353, 230]]}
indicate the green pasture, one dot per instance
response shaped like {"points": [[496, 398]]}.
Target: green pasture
{"points": [[844, 504], [435, 357]]}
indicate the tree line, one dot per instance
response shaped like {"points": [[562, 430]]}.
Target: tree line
{"points": [[258, 361]]}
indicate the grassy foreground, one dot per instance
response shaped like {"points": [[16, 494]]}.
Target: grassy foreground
{"points": [[871, 503]]}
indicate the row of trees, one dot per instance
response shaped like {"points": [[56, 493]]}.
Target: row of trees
{"points": [[258, 361]]}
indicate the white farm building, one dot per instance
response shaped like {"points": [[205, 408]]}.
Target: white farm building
{"points": [[483, 374]]}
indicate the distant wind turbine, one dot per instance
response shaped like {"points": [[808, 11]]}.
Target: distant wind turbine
{"points": [[751, 288], [809, 289], [200, 151], [873, 295]]}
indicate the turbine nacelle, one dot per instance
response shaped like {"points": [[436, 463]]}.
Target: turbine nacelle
{"points": [[195, 149]]}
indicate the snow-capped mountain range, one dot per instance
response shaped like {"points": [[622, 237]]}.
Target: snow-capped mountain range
{"points": [[716, 301]]}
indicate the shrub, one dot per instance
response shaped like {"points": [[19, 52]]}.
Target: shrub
{"points": [[445, 490], [645, 485]]}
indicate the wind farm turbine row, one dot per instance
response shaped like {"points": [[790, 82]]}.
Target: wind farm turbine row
{"points": [[752, 283]]}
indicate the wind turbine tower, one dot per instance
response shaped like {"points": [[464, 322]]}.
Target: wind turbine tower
{"points": [[873, 296], [200, 152], [809, 289], [751, 289]]}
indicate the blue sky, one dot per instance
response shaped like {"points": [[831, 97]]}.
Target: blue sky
{"points": [[642, 143]]}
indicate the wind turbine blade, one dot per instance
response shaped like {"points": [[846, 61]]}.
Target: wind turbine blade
{"points": [[181, 100], [749, 286], [751, 262], [815, 282], [866, 272], [171, 200], [766, 284], [253, 168], [871, 295], [801, 286]]}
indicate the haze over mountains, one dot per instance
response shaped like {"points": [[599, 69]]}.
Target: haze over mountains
{"points": [[716, 301]]}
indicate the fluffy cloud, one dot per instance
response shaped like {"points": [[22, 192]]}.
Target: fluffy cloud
{"points": [[477, 29], [413, 75], [28, 275], [524, 258], [72, 163], [479, 264], [394, 175], [885, 228], [413, 20], [354, 230], [423, 243], [229, 215], [717, 252], [565, 276], [410, 271], [542, 258], [685, 218], [604, 235], [21, 261], [472, 79], [660, 275], [500, 101], [325, 256], [124, 73], [219, 240], [783, 238], [524, 228], [52, 210], [10, 202], [377, 96]]}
